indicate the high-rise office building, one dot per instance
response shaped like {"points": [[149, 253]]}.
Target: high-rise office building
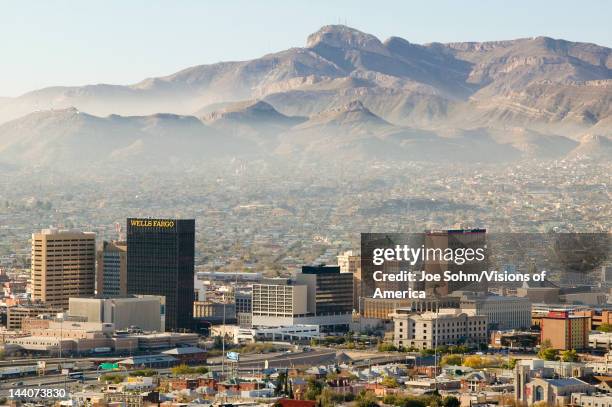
{"points": [[276, 304], [458, 240], [565, 331], [319, 295], [350, 262], [329, 291], [160, 261], [63, 266], [111, 276]]}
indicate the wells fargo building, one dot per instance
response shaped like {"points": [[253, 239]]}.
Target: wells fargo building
{"points": [[160, 260]]}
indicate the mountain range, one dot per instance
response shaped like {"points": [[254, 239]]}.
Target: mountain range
{"points": [[345, 95]]}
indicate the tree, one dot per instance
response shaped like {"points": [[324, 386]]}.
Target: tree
{"points": [[412, 402], [427, 352], [326, 398], [386, 347], [451, 401], [570, 356], [605, 327], [391, 399], [143, 372], [389, 382], [547, 352], [218, 342], [313, 390], [115, 378], [366, 399], [453, 360], [182, 369], [433, 399], [474, 361], [290, 391], [511, 364], [280, 383]]}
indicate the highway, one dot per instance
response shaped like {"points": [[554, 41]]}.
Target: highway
{"points": [[252, 363]]}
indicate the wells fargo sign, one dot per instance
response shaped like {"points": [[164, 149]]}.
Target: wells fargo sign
{"points": [[151, 223]]}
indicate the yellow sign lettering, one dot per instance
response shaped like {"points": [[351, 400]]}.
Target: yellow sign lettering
{"points": [[152, 223]]}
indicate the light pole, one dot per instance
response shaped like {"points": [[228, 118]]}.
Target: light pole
{"points": [[223, 342]]}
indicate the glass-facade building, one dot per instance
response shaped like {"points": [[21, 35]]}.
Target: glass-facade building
{"points": [[334, 290], [160, 261], [112, 269]]}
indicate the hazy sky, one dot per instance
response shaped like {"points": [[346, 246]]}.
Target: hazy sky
{"points": [[45, 43]]}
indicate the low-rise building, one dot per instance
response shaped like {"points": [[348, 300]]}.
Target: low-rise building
{"points": [[447, 326], [145, 312], [591, 400], [502, 312], [554, 392], [16, 314], [600, 341], [187, 355], [527, 370], [165, 340], [71, 337], [597, 317]]}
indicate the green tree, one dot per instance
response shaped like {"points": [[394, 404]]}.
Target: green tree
{"points": [[412, 402], [313, 390], [451, 401], [391, 399], [390, 382], [547, 352], [182, 369], [326, 398], [366, 399], [386, 347], [111, 377], [453, 360], [280, 383], [605, 327], [511, 364], [570, 356], [143, 372], [427, 352]]}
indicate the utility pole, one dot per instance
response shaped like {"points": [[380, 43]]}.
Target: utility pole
{"points": [[223, 342], [435, 332]]}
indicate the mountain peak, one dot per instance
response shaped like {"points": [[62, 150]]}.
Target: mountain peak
{"points": [[354, 106], [250, 111], [350, 114], [341, 36], [260, 106]]}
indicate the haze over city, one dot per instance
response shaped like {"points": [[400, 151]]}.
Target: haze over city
{"points": [[200, 204]]}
